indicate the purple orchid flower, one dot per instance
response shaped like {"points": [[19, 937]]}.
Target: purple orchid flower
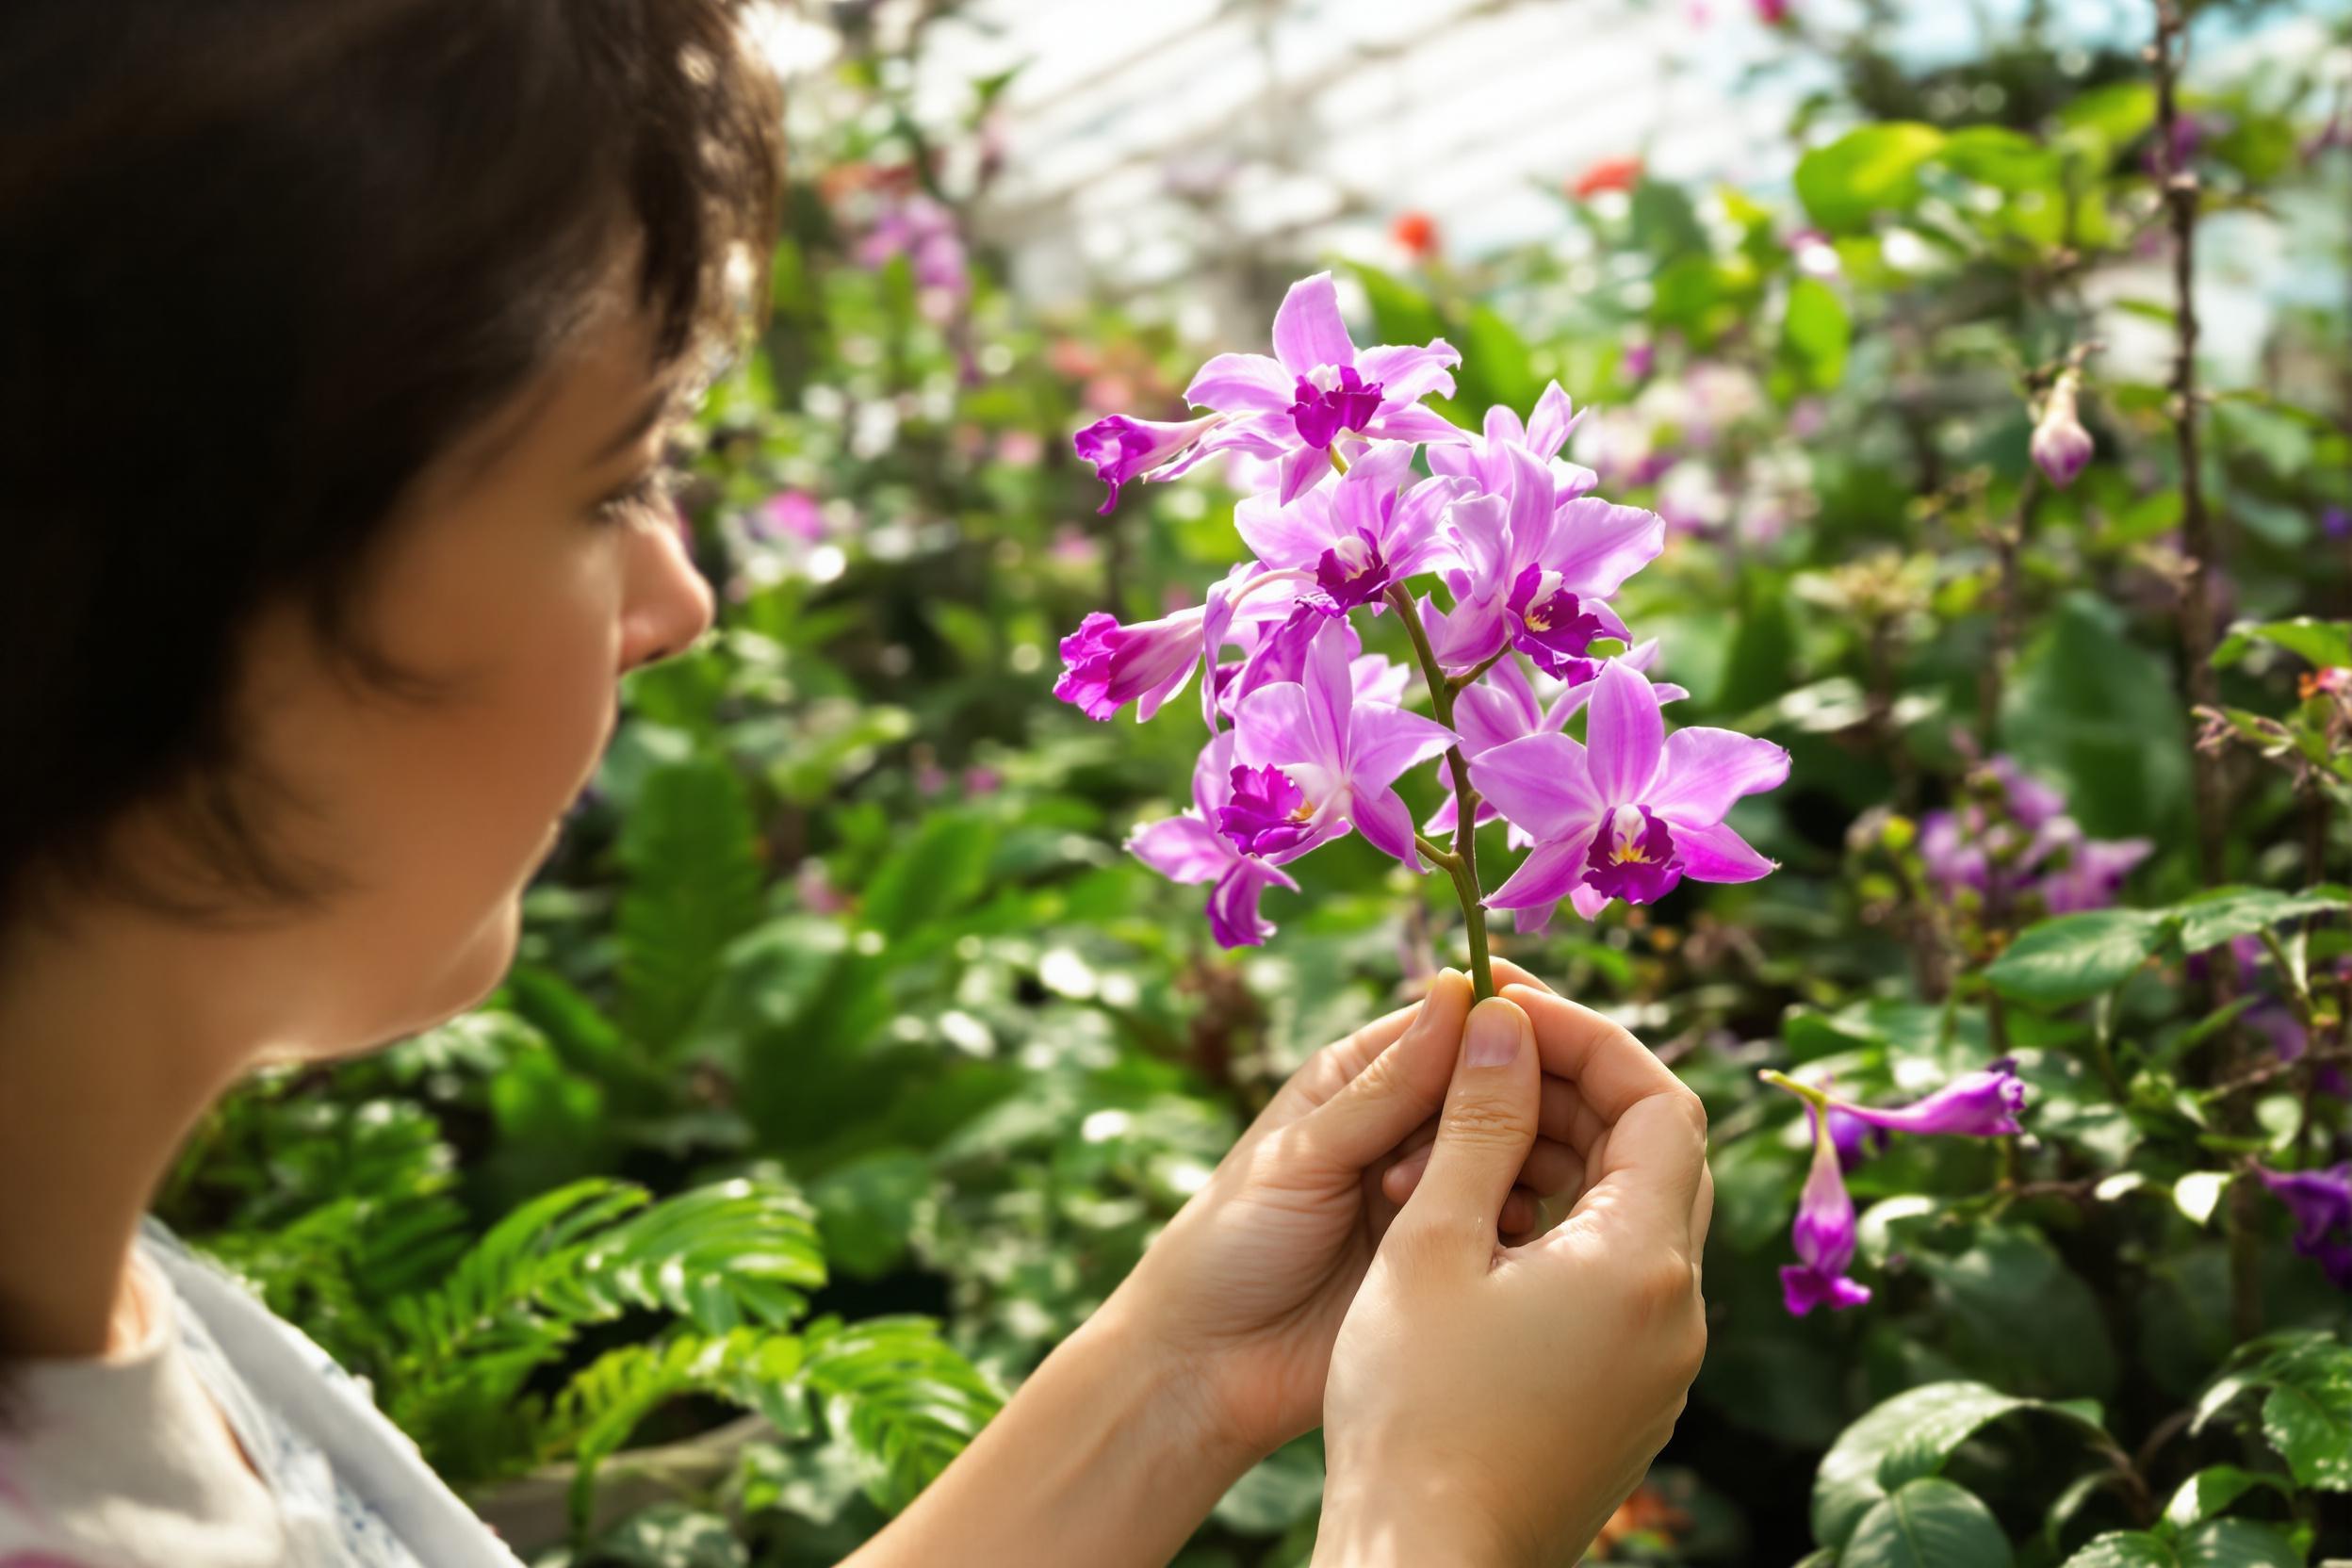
{"points": [[1482, 461], [1319, 387], [1342, 755], [1108, 665], [1358, 536], [1503, 706], [1632, 812], [1984, 1103], [1823, 1237], [1533, 571], [2321, 1205], [1191, 849], [1123, 448]]}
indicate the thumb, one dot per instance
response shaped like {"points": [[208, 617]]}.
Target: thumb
{"points": [[1487, 1128], [1398, 1091]]}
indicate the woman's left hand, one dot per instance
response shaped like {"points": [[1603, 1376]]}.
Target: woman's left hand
{"points": [[1244, 1289]]}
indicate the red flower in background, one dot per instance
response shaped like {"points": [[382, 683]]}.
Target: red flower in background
{"points": [[1607, 175], [1772, 12], [1416, 232]]}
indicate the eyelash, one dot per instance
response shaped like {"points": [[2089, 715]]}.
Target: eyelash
{"points": [[650, 489]]}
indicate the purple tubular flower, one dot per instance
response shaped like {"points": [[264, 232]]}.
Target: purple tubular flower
{"points": [[2093, 875], [1978, 1104], [1343, 755], [2320, 1202], [1633, 807], [2061, 448], [1856, 1138], [1320, 386], [1190, 849], [1823, 1237], [1358, 536], [1123, 448], [1110, 665]]}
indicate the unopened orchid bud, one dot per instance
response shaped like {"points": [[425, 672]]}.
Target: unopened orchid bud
{"points": [[2061, 447]]}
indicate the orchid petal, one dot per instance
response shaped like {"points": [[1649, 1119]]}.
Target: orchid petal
{"points": [[1380, 815], [1183, 849], [1588, 902], [1541, 783], [1238, 382], [1531, 920], [1406, 374], [1548, 427], [1387, 741], [1714, 853], [1548, 874], [1301, 470], [1308, 331], [1624, 737], [1707, 769], [1595, 544], [1291, 535], [1413, 422]]}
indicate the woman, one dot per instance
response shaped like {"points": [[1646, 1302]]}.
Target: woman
{"points": [[342, 339]]}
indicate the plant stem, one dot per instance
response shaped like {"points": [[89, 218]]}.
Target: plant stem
{"points": [[2180, 199], [1463, 863]]}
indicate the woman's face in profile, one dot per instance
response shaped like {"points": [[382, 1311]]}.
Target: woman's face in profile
{"points": [[528, 571]]}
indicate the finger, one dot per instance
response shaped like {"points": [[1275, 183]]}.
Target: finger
{"points": [[1509, 973], [1483, 1134], [1563, 1117], [1609, 1068], [1397, 1089], [1550, 1167], [1521, 1210], [1702, 1211], [1324, 1073], [1652, 1166]]}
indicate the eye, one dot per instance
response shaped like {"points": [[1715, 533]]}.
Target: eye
{"points": [[649, 492]]}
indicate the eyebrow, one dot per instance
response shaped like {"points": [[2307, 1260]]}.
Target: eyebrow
{"points": [[661, 403]]}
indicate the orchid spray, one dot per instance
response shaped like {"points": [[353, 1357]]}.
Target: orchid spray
{"points": [[1500, 565]]}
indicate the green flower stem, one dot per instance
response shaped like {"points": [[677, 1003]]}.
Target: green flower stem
{"points": [[1818, 1099], [1463, 863]]}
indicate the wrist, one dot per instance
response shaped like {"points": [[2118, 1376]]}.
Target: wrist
{"points": [[1379, 1521], [1168, 1388]]}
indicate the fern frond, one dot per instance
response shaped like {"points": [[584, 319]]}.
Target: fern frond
{"points": [[901, 1395]]}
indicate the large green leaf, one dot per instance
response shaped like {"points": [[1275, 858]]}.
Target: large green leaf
{"points": [[2098, 711], [2224, 914], [1928, 1523], [2308, 1416], [2012, 1302], [2325, 644], [2217, 1543], [1866, 170], [2077, 956], [1900, 1440], [1815, 333], [2211, 1492]]}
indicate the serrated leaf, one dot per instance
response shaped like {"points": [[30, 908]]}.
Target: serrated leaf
{"points": [[1928, 1523], [690, 850], [2224, 914]]}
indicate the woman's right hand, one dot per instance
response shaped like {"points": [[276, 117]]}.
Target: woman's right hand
{"points": [[1492, 1404]]}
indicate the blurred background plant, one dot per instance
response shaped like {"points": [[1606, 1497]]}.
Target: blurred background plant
{"points": [[842, 967]]}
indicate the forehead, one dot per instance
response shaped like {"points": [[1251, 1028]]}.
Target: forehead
{"points": [[605, 374]]}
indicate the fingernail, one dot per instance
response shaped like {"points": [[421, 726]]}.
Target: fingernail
{"points": [[1494, 1035]]}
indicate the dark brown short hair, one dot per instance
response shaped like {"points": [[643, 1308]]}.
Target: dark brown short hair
{"points": [[261, 263]]}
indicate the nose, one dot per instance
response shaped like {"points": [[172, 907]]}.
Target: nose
{"points": [[665, 605]]}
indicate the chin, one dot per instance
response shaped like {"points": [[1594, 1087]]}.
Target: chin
{"points": [[474, 968]]}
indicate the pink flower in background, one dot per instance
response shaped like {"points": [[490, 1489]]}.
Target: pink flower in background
{"points": [[1823, 1237], [2061, 448], [924, 231], [789, 514]]}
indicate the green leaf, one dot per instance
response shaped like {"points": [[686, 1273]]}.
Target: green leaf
{"points": [[2325, 644], [2012, 1301], [2099, 712], [2309, 1420], [2077, 956], [901, 1395], [943, 868], [1866, 170], [1900, 1440], [2212, 1491], [1815, 333], [1928, 1523], [691, 853], [2224, 914], [2217, 1543], [2196, 1194]]}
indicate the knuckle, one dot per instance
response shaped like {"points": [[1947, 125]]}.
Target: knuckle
{"points": [[1482, 1124]]}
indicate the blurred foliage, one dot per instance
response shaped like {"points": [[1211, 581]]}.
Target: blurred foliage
{"points": [[841, 959]]}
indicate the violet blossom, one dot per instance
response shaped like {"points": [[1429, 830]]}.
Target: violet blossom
{"points": [[2061, 448], [1358, 536], [1982, 1104], [1319, 387], [1123, 448], [1631, 811], [922, 231], [1192, 849], [1823, 1237], [2012, 840], [1857, 1140], [1339, 759], [2321, 1205]]}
